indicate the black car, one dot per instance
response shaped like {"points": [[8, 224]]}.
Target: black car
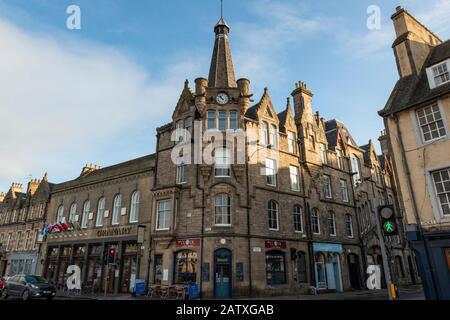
{"points": [[28, 287]]}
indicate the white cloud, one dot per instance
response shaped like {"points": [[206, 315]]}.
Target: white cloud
{"points": [[60, 100]]}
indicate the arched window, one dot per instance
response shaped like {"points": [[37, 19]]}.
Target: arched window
{"points": [[275, 268], [331, 223], [273, 215], [273, 136], [117, 209], [264, 133], [73, 212], [134, 211], [185, 267], [100, 212], [298, 219], [60, 215], [85, 217], [302, 276], [315, 221], [349, 225], [222, 210]]}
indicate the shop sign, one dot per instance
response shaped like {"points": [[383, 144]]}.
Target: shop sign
{"points": [[114, 232], [188, 243], [327, 247], [271, 244]]}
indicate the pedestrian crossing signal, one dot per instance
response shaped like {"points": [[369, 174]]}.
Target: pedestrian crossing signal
{"points": [[388, 220]]}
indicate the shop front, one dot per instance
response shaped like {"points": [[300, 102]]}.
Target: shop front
{"points": [[327, 266], [22, 263], [108, 264]]}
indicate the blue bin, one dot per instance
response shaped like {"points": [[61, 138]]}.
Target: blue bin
{"points": [[139, 288], [193, 291]]}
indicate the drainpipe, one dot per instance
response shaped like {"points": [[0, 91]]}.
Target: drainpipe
{"points": [[203, 229], [416, 212], [361, 241], [250, 280]]}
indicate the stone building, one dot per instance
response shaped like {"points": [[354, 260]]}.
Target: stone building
{"points": [[104, 209], [282, 203], [22, 216], [288, 217], [417, 117]]}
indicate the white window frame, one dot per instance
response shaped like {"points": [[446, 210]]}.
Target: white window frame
{"points": [[323, 153], [273, 136], [60, 214], [277, 215], [181, 174], [167, 211], [298, 212], [295, 177], [315, 213], [222, 207], [420, 131], [264, 133], [349, 223], [236, 114], [340, 159], [222, 163], [135, 204], [73, 212], [291, 142], [344, 190], [432, 76], [440, 217], [117, 208], [271, 168], [101, 206], [327, 188], [355, 166], [208, 118], [85, 216], [331, 218]]}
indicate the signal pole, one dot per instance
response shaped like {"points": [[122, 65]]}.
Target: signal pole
{"points": [[386, 264]]}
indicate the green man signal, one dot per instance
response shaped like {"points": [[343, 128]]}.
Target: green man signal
{"points": [[388, 220]]}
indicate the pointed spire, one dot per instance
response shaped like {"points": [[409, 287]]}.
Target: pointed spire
{"points": [[221, 73]]}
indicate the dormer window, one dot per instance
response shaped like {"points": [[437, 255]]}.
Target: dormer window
{"points": [[439, 74]]}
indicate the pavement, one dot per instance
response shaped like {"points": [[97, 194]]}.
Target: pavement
{"points": [[405, 293]]}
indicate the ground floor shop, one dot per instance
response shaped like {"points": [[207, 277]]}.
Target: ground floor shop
{"points": [[432, 251], [238, 267], [19, 263], [109, 265]]}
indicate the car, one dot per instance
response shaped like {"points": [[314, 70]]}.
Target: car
{"points": [[28, 287], [2, 283]]}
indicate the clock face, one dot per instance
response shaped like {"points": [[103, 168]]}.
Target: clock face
{"points": [[222, 98]]}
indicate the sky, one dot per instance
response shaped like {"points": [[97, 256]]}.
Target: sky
{"points": [[96, 95]]}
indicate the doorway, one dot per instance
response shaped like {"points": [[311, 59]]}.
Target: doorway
{"points": [[354, 271], [412, 273], [222, 274]]}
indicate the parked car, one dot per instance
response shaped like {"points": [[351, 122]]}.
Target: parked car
{"points": [[2, 283], [28, 287]]}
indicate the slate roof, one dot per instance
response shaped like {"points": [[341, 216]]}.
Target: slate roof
{"points": [[414, 90]]}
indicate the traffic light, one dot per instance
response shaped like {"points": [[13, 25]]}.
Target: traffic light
{"points": [[112, 255], [105, 257], [388, 221]]}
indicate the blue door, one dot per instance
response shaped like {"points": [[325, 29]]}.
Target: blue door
{"points": [[222, 274]]}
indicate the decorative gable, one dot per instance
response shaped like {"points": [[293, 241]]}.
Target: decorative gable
{"points": [[186, 101]]}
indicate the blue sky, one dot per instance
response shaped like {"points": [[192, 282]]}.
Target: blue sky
{"points": [[96, 95]]}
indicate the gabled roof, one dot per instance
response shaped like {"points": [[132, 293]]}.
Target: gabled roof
{"points": [[414, 90], [335, 127], [252, 112]]}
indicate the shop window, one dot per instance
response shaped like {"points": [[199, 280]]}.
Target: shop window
{"points": [[185, 267], [275, 268]]}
